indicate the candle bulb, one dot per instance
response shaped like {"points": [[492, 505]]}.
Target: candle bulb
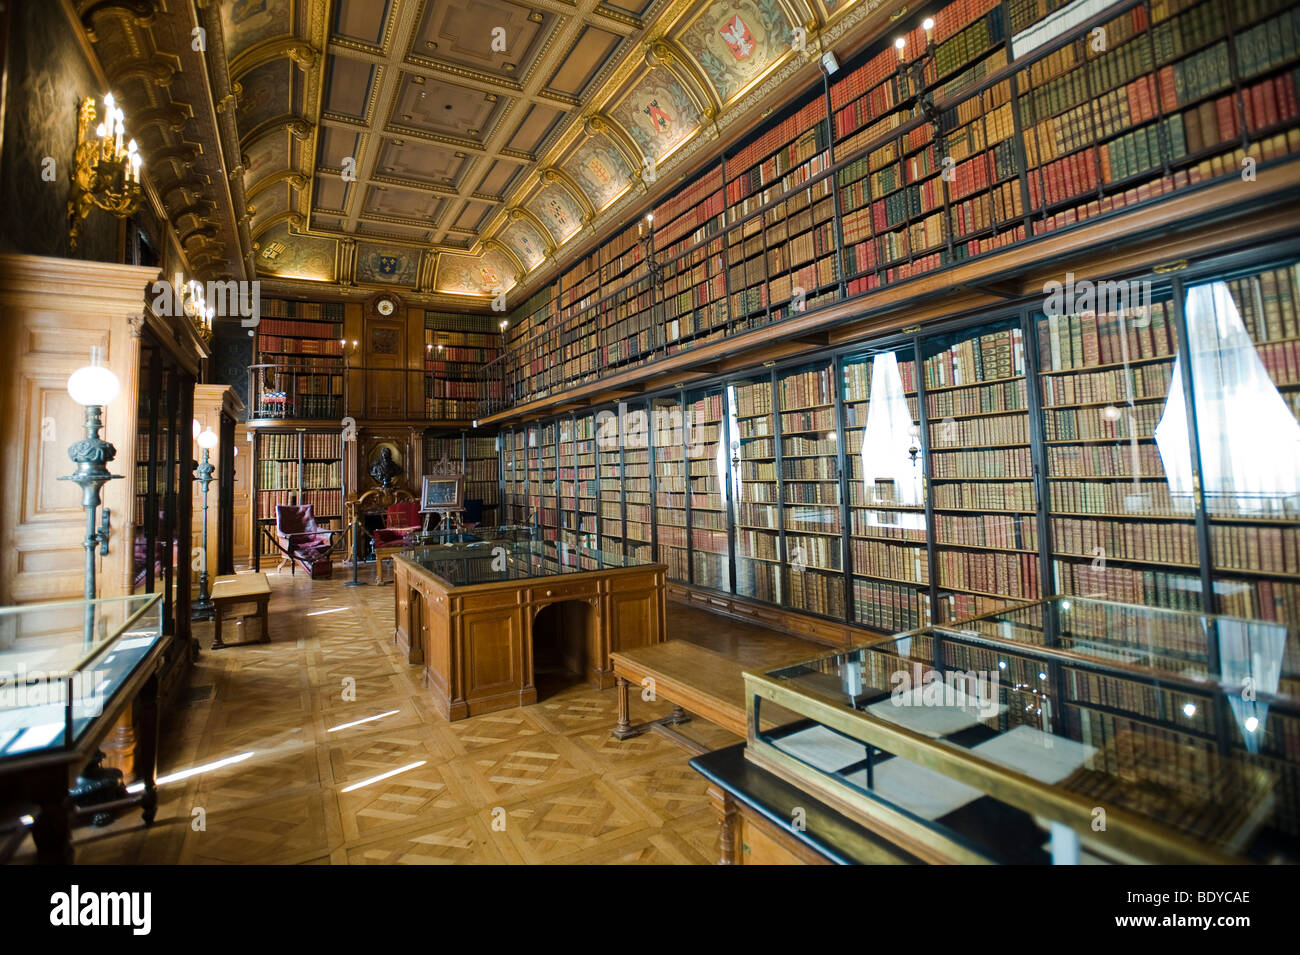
{"points": [[928, 25], [899, 45]]}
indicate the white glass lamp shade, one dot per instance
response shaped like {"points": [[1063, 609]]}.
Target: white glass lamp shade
{"points": [[208, 439], [93, 385], [196, 428]]}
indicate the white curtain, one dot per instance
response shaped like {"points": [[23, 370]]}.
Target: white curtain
{"points": [[1249, 440], [890, 474]]}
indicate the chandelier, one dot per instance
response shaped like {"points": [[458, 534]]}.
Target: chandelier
{"points": [[105, 173]]}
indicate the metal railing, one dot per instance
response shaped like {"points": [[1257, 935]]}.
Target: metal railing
{"points": [[330, 392]]}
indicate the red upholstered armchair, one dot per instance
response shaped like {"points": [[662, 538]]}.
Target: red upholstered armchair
{"points": [[403, 518], [302, 540]]}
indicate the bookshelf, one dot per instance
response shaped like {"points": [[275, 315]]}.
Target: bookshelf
{"points": [[609, 455], [1002, 126], [567, 474], [990, 459], [669, 439], [1116, 531], [515, 477], [532, 466], [980, 464], [547, 479], [812, 519], [755, 504], [456, 347], [637, 499], [587, 482], [707, 468], [295, 467], [1245, 345], [301, 344], [479, 459], [889, 555]]}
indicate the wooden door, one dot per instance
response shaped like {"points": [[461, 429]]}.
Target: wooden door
{"points": [[242, 507]]}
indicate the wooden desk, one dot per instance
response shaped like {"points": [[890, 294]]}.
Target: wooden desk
{"points": [[240, 589], [476, 641]]}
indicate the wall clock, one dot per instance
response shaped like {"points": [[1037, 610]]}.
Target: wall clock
{"points": [[385, 307]]}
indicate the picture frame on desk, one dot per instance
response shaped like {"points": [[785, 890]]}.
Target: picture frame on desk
{"points": [[441, 494]]}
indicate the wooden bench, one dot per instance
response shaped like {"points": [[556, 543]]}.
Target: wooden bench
{"points": [[690, 677], [236, 589]]}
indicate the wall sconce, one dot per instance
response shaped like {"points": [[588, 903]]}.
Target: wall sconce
{"points": [[914, 449], [106, 173], [200, 312]]}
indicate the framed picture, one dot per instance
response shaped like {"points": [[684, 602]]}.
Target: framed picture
{"points": [[442, 493]]}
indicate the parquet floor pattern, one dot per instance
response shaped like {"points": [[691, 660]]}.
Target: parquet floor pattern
{"points": [[539, 784]]}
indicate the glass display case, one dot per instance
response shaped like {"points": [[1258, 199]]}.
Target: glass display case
{"points": [[61, 663], [1066, 730]]}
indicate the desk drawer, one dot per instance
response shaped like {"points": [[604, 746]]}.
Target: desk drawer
{"points": [[578, 589]]}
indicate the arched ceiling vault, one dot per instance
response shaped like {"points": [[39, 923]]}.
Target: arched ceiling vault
{"points": [[458, 146]]}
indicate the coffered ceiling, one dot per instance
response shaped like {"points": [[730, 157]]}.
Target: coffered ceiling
{"points": [[462, 147]]}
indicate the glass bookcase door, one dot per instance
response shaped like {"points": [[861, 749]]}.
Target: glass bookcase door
{"points": [[668, 438], [609, 452], [1116, 448], [755, 502], [888, 539], [708, 466], [566, 471], [638, 507], [1244, 337], [586, 483], [810, 490], [981, 469], [532, 461], [547, 442]]}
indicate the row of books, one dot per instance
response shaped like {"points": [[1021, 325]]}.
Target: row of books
{"points": [[274, 308], [1170, 542], [1115, 498], [1141, 383], [282, 475], [1006, 531], [817, 593], [988, 357], [989, 573], [308, 445], [888, 608]]}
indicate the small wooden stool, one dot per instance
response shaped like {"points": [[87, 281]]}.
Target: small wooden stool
{"points": [[240, 589]]}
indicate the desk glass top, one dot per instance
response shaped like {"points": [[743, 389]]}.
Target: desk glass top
{"points": [[1185, 720], [467, 564]]}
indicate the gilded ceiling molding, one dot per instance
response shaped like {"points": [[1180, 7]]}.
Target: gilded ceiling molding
{"points": [[345, 261], [157, 70], [554, 174], [427, 271], [294, 178], [494, 244], [171, 116], [804, 12], [665, 52], [526, 215], [600, 124], [285, 46], [139, 12]]}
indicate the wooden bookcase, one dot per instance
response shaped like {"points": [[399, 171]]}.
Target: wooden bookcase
{"points": [[302, 341], [998, 128], [951, 470], [456, 347], [480, 458], [295, 467]]}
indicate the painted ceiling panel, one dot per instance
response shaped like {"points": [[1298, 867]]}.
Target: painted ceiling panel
{"points": [[593, 47]]}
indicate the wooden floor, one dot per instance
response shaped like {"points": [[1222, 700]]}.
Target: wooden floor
{"points": [[539, 784]]}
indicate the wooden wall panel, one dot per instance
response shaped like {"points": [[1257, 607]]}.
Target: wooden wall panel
{"points": [[54, 310]]}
